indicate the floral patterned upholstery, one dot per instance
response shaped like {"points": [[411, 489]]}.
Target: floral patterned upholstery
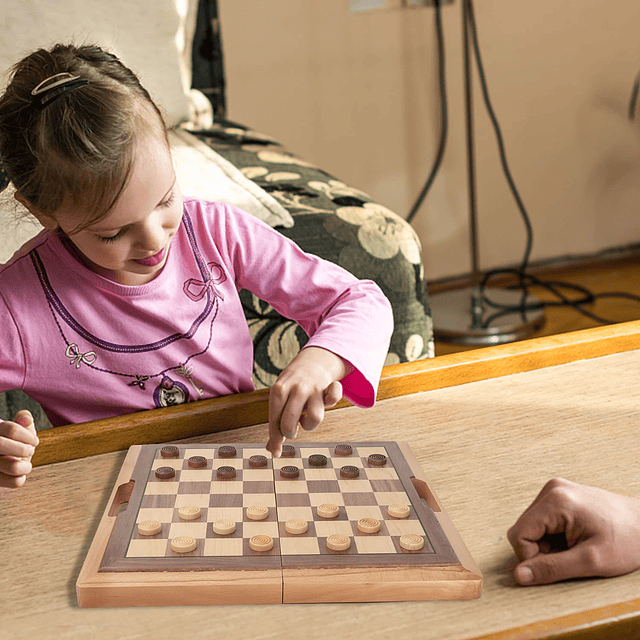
{"points": [[338, 223]]}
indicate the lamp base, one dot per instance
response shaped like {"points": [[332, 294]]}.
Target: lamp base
{"points": [[462, 316]]}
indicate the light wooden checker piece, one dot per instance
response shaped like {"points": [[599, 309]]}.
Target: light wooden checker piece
{"points": [[236, 554]]}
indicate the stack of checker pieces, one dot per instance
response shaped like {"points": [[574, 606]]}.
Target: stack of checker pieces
{"points": [[325, 522]]}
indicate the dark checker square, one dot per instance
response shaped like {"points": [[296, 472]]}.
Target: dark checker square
{"points": [[185, 465], [426, 549], [386, 485], [201, 518], [194, 487], [154, 478], [364, 499], [236, 534], [158, 502], [311, 531], [383, 530], [164, 534], [323, 486], [248, 551], [214, 473], [257, 486], [342, 515], [307, 465], [225, 500], [198, 551], [293, 500], [351, 551]]}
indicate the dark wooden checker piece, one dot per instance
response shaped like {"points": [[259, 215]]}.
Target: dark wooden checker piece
{"points": [[318, 460], [169, 452], [197, 462], [257, 461], [227, 451], [165, 473], [377, 460], [288, 451], [343, 450], [349, 471], [289, 472], [226, 473]]}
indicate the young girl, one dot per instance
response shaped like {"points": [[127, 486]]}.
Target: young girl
{"points": [[128, 299]]}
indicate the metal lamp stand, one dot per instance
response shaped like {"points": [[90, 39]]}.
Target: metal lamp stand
{"points": [[466, 315]]}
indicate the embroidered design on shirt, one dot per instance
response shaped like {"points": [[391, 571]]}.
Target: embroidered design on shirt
{"points": [[77, 358], [139, 382], [196, 289], [169, 393], [187, 372]]}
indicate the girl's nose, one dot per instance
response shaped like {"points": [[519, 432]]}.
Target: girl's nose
{"points": [[152, 236]]}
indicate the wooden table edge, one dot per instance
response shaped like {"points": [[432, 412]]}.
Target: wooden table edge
{"points": [[246, 409], [619, 621]]}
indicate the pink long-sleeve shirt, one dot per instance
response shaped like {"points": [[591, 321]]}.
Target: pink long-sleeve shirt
{"points": [[86, 347]]}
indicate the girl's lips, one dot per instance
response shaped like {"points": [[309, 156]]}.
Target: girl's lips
{"points": [[152, 261]]}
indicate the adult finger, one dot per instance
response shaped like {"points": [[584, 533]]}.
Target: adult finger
{"points": [[576, 562], [524, 535]]}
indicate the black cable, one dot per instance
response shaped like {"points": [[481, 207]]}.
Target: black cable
{"points": [[634, 98], [526, 280], [498, 133], [443, 116]]}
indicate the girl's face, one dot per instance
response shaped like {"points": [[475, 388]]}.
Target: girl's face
{"points": [[130, 244]]}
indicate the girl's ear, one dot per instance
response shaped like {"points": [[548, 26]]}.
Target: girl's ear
{"points": [[46, 221]]}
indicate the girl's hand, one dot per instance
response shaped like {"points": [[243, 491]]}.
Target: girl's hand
{"points": [[301, 393], [18, 441]]}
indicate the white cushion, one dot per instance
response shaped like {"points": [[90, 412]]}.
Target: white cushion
{"points": [[152, 37], [203, 173]]}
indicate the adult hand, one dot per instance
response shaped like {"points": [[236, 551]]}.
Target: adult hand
{"points": [[572, 530]]}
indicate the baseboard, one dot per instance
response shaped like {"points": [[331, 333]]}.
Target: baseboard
{"points": [[628, 255]]}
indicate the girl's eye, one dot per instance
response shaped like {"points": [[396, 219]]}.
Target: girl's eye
{"points": [[112, 238], [168, 201]]}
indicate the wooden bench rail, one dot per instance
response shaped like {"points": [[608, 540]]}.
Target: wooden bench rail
{"points": [[241, 410]]}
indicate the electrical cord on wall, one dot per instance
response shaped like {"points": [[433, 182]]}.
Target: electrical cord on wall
{"points": [[444, 123], [525, 280]]}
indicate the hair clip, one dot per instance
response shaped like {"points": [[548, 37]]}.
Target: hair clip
{"points": [[44, 94]]}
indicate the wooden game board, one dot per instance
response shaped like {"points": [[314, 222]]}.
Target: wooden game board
{"points": [[125, 568]]}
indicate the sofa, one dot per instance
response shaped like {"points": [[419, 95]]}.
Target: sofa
{"points": [[219, 159]]}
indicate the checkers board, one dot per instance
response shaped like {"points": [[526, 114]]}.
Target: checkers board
{"points": [[187, 524]]}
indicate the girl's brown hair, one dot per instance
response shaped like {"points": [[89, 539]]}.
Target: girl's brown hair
{"points": [[79, 148]]}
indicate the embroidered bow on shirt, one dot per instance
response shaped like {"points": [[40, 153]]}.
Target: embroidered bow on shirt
{"points": [[196, 289], [78, 358]]}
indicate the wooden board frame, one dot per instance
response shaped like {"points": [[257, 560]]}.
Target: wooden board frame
{"points": [[109, 578]]}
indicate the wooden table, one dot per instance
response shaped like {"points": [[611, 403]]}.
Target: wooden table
{"points": [[486, 445]]}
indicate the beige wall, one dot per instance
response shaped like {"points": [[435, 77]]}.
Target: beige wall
{"points": [[357, 94]]}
